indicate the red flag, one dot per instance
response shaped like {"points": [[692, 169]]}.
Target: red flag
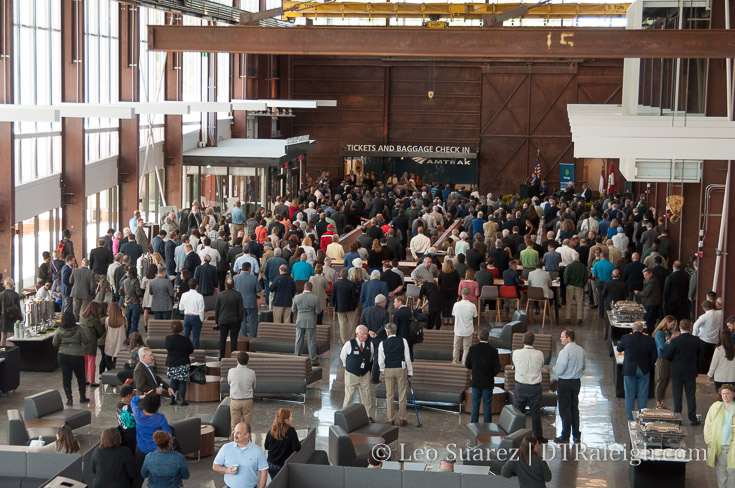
{"points": [[611, 179]]}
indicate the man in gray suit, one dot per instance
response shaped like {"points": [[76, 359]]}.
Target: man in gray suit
{"points": [[162, 292], [140, 236], [248, 286], [307, 306], [82, 287]]}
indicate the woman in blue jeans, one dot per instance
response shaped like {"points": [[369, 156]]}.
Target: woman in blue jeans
{"points": [[164, 467]]}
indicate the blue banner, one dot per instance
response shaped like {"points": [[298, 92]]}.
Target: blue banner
{"points": [[567, 174]]}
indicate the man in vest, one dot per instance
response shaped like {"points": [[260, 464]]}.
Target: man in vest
{"points": [[394, 360], [357, 359]]}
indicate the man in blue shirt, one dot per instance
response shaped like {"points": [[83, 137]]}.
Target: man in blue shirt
{"points": [[602, 273], [477, 224], [568, 369], [238, 218], [242, 462], [302, 270]]}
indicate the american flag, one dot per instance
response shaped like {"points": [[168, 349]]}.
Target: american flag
{"points": [[537, 169]]}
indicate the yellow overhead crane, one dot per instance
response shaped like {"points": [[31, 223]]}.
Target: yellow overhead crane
{"points": [[435, 11]]}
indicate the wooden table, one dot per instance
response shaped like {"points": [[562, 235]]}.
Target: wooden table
{"points": [[208, 392], [497, 404], [500, 382], [206, 448], [214, 368]]}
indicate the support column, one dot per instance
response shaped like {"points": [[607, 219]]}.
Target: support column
{"points": [[73, 201], [7, 159], [237, 90], [172, 135], [129, 140], [263, 84]]}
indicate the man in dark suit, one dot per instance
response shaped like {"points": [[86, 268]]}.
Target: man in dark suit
{"points": [[684, 352], [144, 377], [100, 258], [675, 295], [375, 318], [206, 275], [482, 359], [249, 288], [613, 291], [170, 252], [221, 246], [500, 256], [228, 314], [132, 249], [158, 243], [633, 275], [108, 239], [233, 253], [192, 259], [640, 358], [306, 305], [402, 318]]}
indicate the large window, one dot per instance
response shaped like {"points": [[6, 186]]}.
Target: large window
{"points": [[37, 81], [101, 70], [152, 64]]}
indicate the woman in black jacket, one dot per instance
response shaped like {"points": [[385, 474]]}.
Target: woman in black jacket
{"points": [[448, 285], [179, 348], [10, 310], [281, 441], [113, 466]]}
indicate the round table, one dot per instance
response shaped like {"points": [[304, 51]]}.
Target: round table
{"points": [[498, 401], [206, 447], [499, 382], [208, 392], [214, 368]]}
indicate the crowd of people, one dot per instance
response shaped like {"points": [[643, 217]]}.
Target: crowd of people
{"points": [[292, 257]]}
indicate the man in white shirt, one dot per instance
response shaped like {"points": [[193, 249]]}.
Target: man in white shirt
{"points": [[207, 250], [464, 313], [242, 382], [620, 240], [247, 257], [192, 305], [528, 363], [394, 360], [420, 243], [357, 359], [568, 254], [335, 249], [707, 328]]}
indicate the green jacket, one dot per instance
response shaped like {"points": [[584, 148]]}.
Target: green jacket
{"points": [[94, 329], [576, 275], [713, 435], [70, 341]]}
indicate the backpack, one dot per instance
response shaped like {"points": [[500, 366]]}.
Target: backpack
{"points": [[416, 331], [61, 246]]}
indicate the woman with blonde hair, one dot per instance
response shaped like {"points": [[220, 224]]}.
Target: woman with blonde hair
{"points": [[306, 245], [281, 441], [664, 332]]}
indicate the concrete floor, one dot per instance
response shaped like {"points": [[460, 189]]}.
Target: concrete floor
{"points": [[602, 418]]}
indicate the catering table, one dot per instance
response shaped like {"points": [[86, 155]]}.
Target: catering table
{"points": [[654, 466], [618, 375], [37, 353], [617, 329]]}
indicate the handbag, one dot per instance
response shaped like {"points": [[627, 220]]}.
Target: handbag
{"points": [[198, 374]]}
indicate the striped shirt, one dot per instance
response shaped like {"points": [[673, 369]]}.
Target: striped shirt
{"points": [[242, 382]]}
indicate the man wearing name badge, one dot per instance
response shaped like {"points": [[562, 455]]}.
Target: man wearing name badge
{"points": [[357, 359], [568, 369], [394, 360], [241, 461]]}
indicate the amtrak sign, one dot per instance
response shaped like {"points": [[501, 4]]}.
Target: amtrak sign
{"points": [[462, 162]]}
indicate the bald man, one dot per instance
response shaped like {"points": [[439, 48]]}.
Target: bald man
{"points": [[242, 462]]}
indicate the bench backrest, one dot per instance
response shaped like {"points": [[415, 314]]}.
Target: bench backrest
{"points": [[162, 328], [287, 332], [42, 404], [440, 339], [436, 375], [272, 367]]}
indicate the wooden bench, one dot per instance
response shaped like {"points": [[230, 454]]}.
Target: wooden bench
{"points": [[548, 388], [275, 374], [281, 338], [438, 345], [159, 329], [436, 384], [542, 342]]}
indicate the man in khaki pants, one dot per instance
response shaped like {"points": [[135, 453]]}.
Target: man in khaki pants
{"points": [[357, 359], [242, 383], [394, 360]]}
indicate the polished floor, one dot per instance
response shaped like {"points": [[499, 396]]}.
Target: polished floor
{"points": [[598, 464]]}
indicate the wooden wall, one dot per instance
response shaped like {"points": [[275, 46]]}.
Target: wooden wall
{"points": [[507, 110]]}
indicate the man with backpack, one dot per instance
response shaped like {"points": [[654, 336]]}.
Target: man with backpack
{"points": [[66, 246]]}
